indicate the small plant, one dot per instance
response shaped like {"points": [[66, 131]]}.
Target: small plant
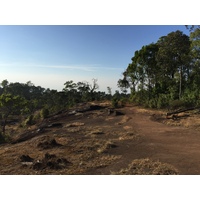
{"points": [[4, 137], [115, 102], [123, 101], [44, 113], [29, 120], [177, 104]]}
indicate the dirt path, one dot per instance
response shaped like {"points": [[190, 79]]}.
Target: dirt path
{"points": [[178, 146], [95, 142]]}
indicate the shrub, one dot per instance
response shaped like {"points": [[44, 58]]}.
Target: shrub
{"points": [[29, 120], [163, 101], [123, 101], [4, 137], [176, 104], [114, 102], [44, 113], [152, 103]]}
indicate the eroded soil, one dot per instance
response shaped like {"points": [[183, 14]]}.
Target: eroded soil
{"points": [[128, 140]]}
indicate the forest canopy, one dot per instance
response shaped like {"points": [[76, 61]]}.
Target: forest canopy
{"points": [[166, 72]]}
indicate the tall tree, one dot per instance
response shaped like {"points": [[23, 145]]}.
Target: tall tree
{"points": [[10, 105], [173, 57]]}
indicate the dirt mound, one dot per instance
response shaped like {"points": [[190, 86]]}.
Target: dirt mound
{"points": [[114, 112], [51, 161], [51, 143]]}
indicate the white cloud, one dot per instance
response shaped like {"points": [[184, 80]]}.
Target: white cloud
{"points": [[49, 76], [90, 67]]}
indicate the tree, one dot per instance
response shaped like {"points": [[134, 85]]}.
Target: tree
{"points": [[195, 44], [159, 72], [4, 83], [10, 105], [109, 90], [94, 86], [70, 86], [193, 90], [142, 74], [173, 57], [123, 84], [83, 90]]}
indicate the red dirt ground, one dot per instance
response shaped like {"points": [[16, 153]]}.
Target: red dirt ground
{"points": [[98, 142]]}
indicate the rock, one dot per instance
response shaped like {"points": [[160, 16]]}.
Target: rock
{"points": [[55, 125], [51, 161], [48, 144], [26, 158]]}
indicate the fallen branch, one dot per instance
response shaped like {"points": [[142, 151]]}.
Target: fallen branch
{"points": [[182, 110]]}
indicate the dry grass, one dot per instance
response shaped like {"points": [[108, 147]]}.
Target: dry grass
{"points": [[129, 136], [106, 146], [124, 120], [96, 132], [147, 167], [103, 161], [75, 124], [192, 121]]}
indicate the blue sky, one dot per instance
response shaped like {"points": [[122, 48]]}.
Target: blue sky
{"points": [[51, 55]]}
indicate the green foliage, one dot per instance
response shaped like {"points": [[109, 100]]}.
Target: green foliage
{"points": [[4, 138], [122, 102], [176, 104], [152, 103], [29, 121], [36, 117], [44, 113], [10, 105], [166, 73], [115, 102], [163, 101]]}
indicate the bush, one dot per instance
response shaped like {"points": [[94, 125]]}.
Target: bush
{"points": [[114, 102], [177, 104], [163, 101], [152, 103], [4, 137], [44, 113], [122, 102], [29, 120]]}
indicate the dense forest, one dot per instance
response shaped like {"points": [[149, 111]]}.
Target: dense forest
{"points": [[166, 73]]}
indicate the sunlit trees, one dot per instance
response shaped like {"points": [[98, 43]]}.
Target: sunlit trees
{"points": [[10, 105], [173, 57], [162, 72], [81, 91]]}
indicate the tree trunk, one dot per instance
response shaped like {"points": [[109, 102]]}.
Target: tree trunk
{"points": [[4, 126], [180, 85]]}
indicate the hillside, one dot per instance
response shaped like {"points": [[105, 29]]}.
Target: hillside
{"points": [[95, 139]]}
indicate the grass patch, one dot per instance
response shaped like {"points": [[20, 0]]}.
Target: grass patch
{"points": [[147, 167], [105, 147]]}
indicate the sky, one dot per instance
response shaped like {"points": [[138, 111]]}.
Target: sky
{"points": [[50, 55]]}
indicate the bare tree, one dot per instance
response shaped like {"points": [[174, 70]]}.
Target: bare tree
{"points": [[94, 86]]}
